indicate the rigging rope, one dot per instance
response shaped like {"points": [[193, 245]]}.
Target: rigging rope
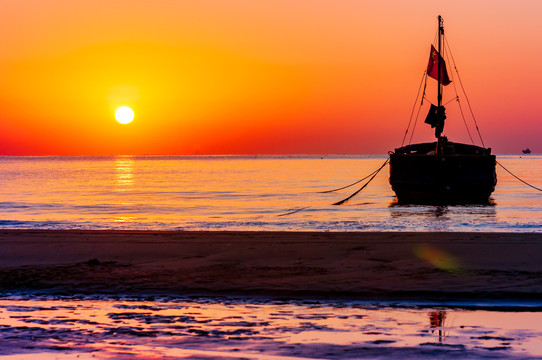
{"points": [[523, 181], [457, 95], [429, 101], [447, 52], [463, 89], [418, 114], [414, 106], [465, 121], [435, 39], [363, 187], [424, 77], [446, 103]]}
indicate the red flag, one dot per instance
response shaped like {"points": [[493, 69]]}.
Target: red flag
{"points": [[436, 61]]}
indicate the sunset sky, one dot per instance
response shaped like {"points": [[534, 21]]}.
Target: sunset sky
{"points": [[259, 77]]}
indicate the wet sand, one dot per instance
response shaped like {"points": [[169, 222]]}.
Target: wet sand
{"points": [[276, 330], [391, 265]]}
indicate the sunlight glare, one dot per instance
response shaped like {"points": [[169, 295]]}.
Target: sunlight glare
{"points": [[124, 115]]}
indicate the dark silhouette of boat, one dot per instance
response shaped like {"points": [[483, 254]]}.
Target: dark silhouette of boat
{"points": [[442, 171], [526, 151]]}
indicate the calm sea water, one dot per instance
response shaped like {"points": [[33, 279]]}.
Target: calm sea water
{"points": [[250, 193], [243, 193]]}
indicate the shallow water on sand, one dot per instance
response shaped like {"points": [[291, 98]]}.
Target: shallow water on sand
{"points": [[218, 329], [243, 193]]}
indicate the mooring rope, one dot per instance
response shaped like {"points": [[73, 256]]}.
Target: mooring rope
{"points": [[293, 211], [347, 186], [363, 187], [523, 181], [373, 174]]}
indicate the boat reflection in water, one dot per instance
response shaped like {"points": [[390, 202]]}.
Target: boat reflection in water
{"points": [[436, 323], [444, 216]]}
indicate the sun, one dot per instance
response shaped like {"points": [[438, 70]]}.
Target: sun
{"points": [[124, 115]]}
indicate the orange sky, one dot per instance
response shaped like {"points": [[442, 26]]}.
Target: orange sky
{"points": [[250, 77]]}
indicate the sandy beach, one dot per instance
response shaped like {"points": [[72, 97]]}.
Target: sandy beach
{"points": [[363, 264]]}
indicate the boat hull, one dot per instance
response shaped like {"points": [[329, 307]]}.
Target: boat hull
{"points": [[442, 179]]}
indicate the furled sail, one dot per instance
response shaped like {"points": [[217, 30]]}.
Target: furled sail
{"points": [[435, 118]]}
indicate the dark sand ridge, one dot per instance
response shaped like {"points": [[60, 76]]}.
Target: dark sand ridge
{"points": [[362, 264]]}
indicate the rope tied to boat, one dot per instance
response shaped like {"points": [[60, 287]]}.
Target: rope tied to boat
{"points": [[523, 181], [347, 186], [293, 211], [374, 173]]}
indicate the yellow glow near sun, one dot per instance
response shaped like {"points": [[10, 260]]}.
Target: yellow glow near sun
{"points": [[124, 115]]}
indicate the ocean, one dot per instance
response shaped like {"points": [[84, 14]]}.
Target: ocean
{"points": [[267, 193], [271, 193]]}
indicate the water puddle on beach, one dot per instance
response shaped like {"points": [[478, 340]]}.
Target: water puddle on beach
{"points": [[266, 330]]}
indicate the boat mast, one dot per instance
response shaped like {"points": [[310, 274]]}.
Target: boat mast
{"points": [[441, 141], [440, 34]]}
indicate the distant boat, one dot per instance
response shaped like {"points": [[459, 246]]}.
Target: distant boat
{"points": [[441, 172], [526, 151]]}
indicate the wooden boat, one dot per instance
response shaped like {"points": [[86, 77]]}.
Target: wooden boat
{"points": [[441, 172], [526, 151]]}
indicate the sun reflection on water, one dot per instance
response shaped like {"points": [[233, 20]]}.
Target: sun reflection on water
{"points": [[124, 219], [124, 173]]}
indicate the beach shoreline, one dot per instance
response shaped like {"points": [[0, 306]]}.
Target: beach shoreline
{"points": [[360, 265]]}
